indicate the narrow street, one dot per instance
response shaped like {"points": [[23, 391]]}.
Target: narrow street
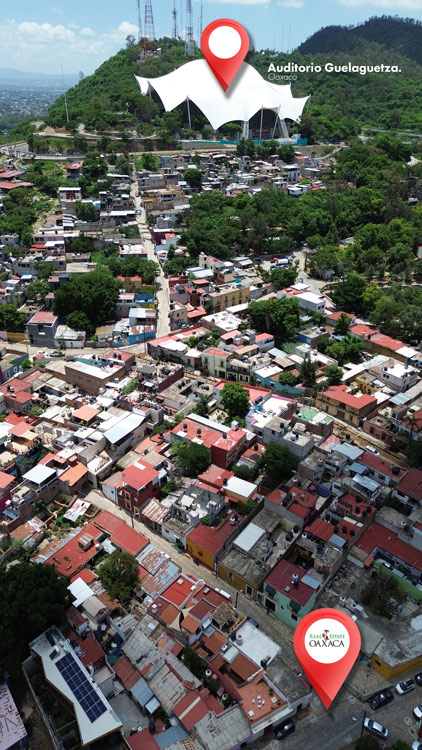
{"points": [[163, 323], [280, 632]]}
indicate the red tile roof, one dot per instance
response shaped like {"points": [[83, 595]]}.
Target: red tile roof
{"points": [[215, 476], [107, 521], [338, 393], [71, 557], [129, 540], [217, 352], [126, 672], [86, 575], [86, 413], [139, 475], [6, 480], [179, 591], [321, 529], [281, 576], [385, 539], [212, 539], [378, 464], [411, 484], [194, 706], [142, 740], [43, 317]]}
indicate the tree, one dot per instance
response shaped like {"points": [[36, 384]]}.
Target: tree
{"points": [[277, 316], [287, 378], [248, 473], [382, 595], [94, 293], [191, 458], [366, 742], [308, 372], [123, 165], [149, 162], [348, 295], [37, 290], [202, 407], [193, 177], [333, 374], [33, 597], [10, 318], [400, 745], [119, 574], [86, 211], [235, 400], [26, 364], [194, 662], [42, 269], [80, 322], [35, 411], [342, 325], [278, 463], [283, 277]]}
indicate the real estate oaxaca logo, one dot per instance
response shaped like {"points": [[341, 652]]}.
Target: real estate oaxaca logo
{"points": [[327, 641]]}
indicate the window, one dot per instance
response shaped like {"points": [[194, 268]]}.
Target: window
{"points": [[294, 617], [230, 576], [248, 590], [270, 605], [200, 553]]}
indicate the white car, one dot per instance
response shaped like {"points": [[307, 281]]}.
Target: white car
{"points": [[371, 450], [417, 712], [416, 745], [405, 687], [375, 727]]}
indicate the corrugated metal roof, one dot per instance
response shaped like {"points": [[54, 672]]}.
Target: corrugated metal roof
{"points": [[174, 734], [123, 428], [142, 692]]}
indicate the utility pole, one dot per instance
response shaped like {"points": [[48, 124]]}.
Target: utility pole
{"points": [[65, 97], [190, 42], [174, 14], [138, 2]]}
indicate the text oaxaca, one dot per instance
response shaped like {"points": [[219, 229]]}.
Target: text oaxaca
{"points": [[324, 641], [330, 67]]}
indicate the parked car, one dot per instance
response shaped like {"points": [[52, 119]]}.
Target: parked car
{"points": [[381, 699], [372, 450], [283, 730], [417, 712], [416, 745], [54, 353], [405, 687], [375, 727], [418, 678]]}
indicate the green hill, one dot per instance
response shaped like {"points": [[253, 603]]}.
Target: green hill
{"points": [[401, 36], [340, 103]]}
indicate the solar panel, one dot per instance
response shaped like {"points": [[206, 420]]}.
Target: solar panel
{"points": [[81, 687]]}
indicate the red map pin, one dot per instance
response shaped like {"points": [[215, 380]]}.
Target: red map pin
{"points": [[224, 44], [327, 644]]}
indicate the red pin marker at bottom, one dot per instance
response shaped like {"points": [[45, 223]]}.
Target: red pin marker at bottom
{"points": [[327, 644]]}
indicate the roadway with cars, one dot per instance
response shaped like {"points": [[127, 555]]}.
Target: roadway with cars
{"points": [[342, 723]]}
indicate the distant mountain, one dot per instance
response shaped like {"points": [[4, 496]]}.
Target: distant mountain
{"points": [[10, 75], [401, 36]]}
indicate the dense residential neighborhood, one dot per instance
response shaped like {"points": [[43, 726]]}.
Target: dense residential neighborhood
{"points": [[210, 426]]}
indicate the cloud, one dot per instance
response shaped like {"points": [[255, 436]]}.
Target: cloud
{"points": [[128, 28], [55, 9], [291, 3], [43, 46], [396, 5]]}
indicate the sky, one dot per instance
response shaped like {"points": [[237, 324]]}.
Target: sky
{"points": [[41, 36]]}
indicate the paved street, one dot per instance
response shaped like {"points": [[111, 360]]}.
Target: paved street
{"points": [[163, 323], [342, 723], [280, 632]]}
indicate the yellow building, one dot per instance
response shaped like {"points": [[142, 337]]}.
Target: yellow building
{"points": [[229, 297], [393, 659]]}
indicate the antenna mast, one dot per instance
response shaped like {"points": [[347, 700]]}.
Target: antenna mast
{"points": [[174, 14], [201, 20], [139, 20], [190, 42], [149, 21]]}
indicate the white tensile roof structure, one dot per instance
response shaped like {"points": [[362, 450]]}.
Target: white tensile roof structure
{"points": [[249, 94]]}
